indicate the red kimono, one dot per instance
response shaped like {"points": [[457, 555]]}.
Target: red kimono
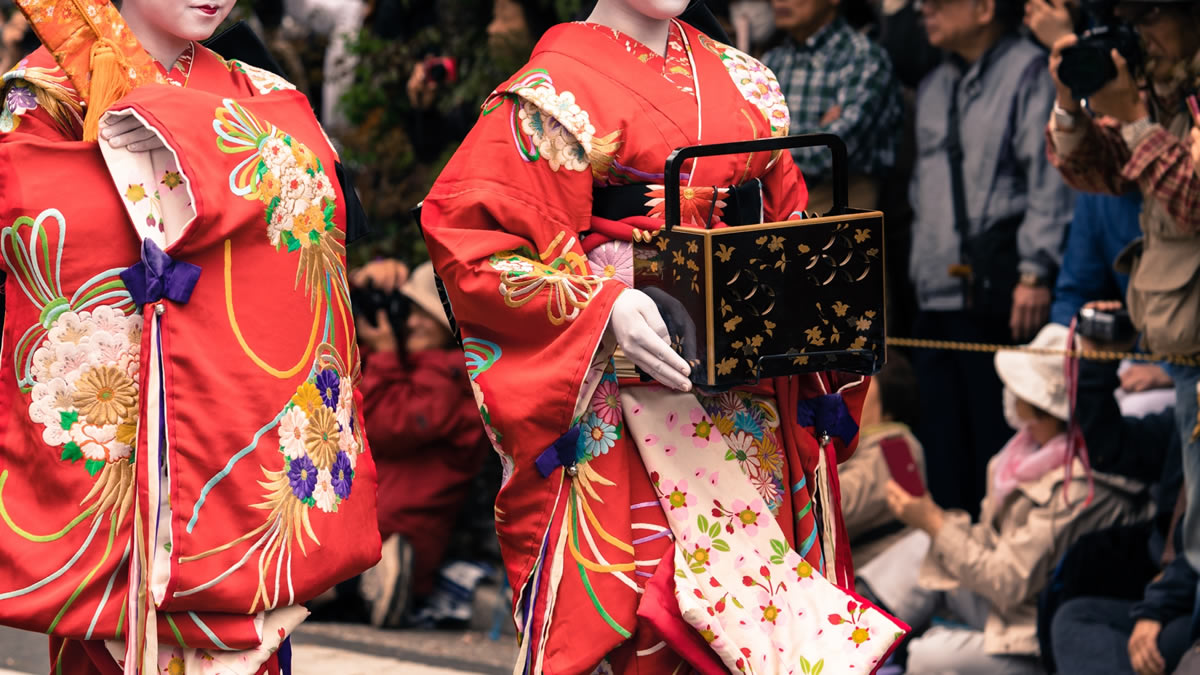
{"points": [[581, 521], [182, 458]]}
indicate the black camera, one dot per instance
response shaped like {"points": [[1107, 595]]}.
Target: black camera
{"points": [[368, 300], [1087, 65], [1105, 327]]}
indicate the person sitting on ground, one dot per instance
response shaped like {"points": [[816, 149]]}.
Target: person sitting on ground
{"points": [[889, 410], [988, 573], [423, 421], [1083, 598]]}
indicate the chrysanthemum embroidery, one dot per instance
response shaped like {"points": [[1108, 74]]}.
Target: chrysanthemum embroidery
{"points": [[291, 182], [319, 440]]}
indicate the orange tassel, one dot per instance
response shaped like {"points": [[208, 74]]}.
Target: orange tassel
{"points": [[109, 83]]}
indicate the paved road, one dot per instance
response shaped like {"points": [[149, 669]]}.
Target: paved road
{"points": [[321, 649]]}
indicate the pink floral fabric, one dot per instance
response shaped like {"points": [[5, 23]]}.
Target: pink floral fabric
{"points": [[757, 602]]}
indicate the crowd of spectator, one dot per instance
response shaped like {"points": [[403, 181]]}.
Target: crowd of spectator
{"points": [[1009, 206], [1055, 527]]}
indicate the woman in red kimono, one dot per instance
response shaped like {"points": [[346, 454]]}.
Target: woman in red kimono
{"points": [[161, 284], [645, 527]]}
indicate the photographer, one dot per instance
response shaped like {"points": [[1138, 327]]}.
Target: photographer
{"points": [[423, 426], [1138, 137]]}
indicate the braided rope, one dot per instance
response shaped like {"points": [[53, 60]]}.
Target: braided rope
{"points": [[1090, 354]]}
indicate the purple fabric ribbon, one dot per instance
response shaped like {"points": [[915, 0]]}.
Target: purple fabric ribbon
{"points": [[157, 276], [827, 414], [562, 453]]}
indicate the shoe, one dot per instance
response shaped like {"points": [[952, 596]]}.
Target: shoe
{"points": [[387, 587]]}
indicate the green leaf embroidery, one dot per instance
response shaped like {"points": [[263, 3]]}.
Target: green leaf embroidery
{"points": [[736, 603], [93, 466], [681, 574], [314, 237], [779, 547], [697, 569], [328, 210], [776, 560], [805, 666], [818, 667], [702, 522], [720, 545], [293, 244], [730, 456], [71, 452], [714, 530], [68, 419], [167, 547]]}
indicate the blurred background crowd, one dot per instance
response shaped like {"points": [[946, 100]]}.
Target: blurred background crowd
{"points": [[1052, 535]]}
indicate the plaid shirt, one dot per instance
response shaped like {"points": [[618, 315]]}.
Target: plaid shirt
{"points": [[840, 67], [1159, 165]]}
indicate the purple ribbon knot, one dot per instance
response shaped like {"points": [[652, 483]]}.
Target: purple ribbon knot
{"points": [[827, 414], [158, 276], [562, 453]]}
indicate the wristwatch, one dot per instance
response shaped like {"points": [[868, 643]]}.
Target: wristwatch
{"points": [[1031, 279], [1133, 131], [1064, 120]]}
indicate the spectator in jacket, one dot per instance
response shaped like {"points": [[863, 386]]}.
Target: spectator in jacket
{"points": [[1145, 142], [1016, 211], [1146, 637], [837, 81], [1143, 448], [889, 411], [423, 426], [989, 573], [1103, 226]]}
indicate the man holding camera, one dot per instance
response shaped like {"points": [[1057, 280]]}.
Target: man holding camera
{"points": [[1139, 136]]}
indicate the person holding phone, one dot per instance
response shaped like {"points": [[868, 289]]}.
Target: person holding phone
{"points": [[988, 573], [887, 450]]}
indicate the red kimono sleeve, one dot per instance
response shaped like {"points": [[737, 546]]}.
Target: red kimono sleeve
{"points": [[502, 226], [785, 194]]}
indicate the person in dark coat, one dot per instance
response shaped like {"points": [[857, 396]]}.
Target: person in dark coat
{"points": [[424, 430]]}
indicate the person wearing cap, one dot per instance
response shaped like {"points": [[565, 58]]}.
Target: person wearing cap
{"points": [[423, 427], [988, 573]]}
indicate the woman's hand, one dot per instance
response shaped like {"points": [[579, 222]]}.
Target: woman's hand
{"points": [[643, 336], [128, 132], [919, 512]]}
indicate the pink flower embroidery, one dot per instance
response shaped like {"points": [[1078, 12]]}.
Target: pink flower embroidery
{"points": [[613, 260], [606, 403], [675, 496], [702, 428], [748, 515]]}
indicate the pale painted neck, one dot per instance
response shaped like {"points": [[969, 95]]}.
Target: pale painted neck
{"points": [[646, 30], [162, 47]]}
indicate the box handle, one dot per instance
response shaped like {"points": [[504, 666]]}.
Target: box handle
{"points": [[841, 179]]}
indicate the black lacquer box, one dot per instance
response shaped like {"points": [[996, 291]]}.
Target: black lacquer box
{"points": [[757, 301]]}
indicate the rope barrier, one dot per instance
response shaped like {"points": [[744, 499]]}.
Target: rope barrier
{"points": [[1090, 354]]}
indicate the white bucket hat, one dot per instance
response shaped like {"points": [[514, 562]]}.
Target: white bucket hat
{"points": [[1038, 379], [422, 290]]}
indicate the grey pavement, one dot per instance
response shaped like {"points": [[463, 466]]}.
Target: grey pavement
{"points": [[321, 649]]}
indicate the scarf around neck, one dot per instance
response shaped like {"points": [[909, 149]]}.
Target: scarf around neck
{"points": [[1022, 461]]}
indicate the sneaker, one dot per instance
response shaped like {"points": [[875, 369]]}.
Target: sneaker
{"points": [[387, 586]]}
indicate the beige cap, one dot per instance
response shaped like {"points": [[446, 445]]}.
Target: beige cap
{"points": [[422, 290]]}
